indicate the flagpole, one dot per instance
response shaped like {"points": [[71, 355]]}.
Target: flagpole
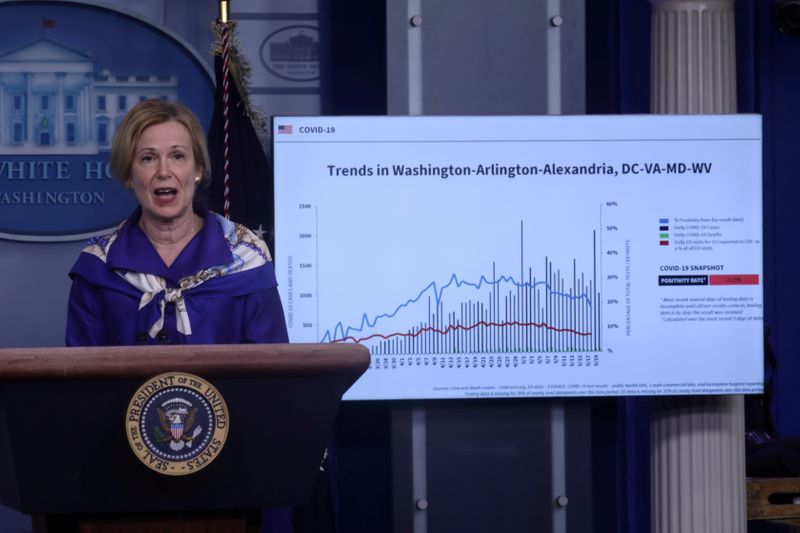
{"points": [[223, 22], [223, 11]]}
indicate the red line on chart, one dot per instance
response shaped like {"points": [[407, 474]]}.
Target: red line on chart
{"points": [[455, 327]]}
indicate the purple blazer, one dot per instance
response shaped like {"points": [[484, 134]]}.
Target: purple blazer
{"points": [[242, 307]]}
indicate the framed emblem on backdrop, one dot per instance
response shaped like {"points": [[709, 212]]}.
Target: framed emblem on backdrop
{"points": [[68, 74]]}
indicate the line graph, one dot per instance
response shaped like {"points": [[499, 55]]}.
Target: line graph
{"points": [[459, 327], [495, 314]]}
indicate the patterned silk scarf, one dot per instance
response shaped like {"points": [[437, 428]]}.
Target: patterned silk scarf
{"points": [[248, 251]]}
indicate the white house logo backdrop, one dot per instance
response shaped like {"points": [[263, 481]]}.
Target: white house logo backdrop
{"points": [[292, 53], [68, 74], [177, 423]]}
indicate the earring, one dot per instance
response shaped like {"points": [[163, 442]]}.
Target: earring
{"points": [[130, 185], [197, 179]]}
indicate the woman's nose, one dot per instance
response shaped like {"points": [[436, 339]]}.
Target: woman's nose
{"points": [[163, 168]]}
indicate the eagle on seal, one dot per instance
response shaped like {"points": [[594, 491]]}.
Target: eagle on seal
{"points": [[176, 424]]}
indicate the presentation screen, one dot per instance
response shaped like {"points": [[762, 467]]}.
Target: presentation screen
{"points": [[521, 256]]}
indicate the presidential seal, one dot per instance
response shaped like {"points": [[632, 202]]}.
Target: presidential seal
{"points": [[177, 423]]}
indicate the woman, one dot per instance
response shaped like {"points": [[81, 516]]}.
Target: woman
{"points": [[172, 273]]}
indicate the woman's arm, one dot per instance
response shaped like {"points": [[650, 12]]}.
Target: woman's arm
{"points": [[263, 318], [85, 323]]}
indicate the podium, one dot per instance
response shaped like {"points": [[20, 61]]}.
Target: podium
{"points": [[65, 456]]}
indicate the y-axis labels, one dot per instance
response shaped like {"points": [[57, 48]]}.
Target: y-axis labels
{"points": [[302, 271]]}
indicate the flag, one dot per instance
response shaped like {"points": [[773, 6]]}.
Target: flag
{"points": [[250, 171], [251, 203]]}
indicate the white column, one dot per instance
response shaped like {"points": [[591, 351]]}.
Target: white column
{"points": [[30, 134], [4, 113], [693, 57], [84, 127], [60, 130], [90, 110], [697, 443], [697, 465]]}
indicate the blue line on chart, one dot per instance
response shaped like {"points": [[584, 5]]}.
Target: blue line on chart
{"points": [[365, 322]]}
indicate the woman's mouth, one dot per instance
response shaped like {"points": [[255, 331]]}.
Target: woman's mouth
{"points": [[166, 192]]}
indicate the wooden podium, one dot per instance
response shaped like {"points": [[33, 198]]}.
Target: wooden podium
{"points": [[65, 456]]}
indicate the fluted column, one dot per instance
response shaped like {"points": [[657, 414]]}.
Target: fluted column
{"points": [[697, 443], [693, 57], [697, 465]]}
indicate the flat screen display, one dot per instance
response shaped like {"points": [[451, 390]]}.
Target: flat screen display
{"points": [[526, 256]]}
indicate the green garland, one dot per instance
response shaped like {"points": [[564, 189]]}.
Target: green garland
{"points": [[239, 71]]}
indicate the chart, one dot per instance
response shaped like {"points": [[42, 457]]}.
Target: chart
{"points": [[525, 256]]}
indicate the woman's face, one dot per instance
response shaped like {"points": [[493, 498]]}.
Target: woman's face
{"points": [[163, 172]]}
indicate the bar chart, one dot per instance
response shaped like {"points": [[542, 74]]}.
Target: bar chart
{"points": [[525, 256]]}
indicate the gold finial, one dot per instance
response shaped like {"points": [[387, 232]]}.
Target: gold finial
{"points": [[223, 11]]}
